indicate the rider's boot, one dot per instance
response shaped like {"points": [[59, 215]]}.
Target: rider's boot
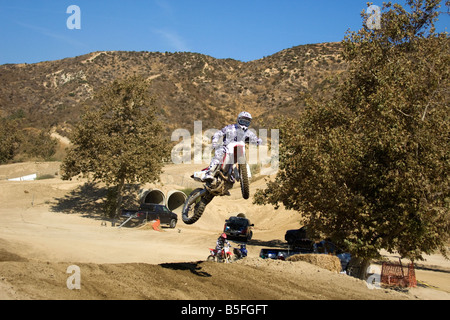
{"points": [[209, 175]]}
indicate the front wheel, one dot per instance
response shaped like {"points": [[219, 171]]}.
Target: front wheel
{"points": [[244, 181], [192, 212], [211, 258]]}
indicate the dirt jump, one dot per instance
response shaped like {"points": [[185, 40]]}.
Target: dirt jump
{"points": [[48, 226]]}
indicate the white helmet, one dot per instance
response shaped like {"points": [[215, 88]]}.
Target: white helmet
{"points": [[244, 119]]}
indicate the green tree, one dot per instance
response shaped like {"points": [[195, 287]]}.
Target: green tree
{"points": [[9, 139], [37, 144], [369, 168], [119, 142]]}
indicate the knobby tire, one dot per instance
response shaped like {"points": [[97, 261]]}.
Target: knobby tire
{"points": [[199, 207], [244, 181]]}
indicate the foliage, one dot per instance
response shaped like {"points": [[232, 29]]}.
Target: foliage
{"points": [[17, 143], [369, 167], [9, 139], [120, 141], [37, 145]]}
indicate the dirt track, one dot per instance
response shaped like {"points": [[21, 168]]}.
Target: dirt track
{"points": [[40, 239]]}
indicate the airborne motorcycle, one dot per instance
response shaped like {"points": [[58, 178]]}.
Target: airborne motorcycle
{"points": [[233, 168]]}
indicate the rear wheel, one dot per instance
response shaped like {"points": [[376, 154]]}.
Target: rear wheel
{"points": [[244, 181], [173, 223]]}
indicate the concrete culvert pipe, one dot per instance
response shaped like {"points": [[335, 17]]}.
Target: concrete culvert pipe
{"points": [[153, 196], [175, 201]]}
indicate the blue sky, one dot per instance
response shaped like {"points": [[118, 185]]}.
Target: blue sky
{"points": [[36, 30]]}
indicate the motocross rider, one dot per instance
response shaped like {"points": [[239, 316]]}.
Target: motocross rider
{"points": [[233, 132], [221, 242]]}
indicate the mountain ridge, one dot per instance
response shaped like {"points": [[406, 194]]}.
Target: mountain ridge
{"points": [[186, 86]]}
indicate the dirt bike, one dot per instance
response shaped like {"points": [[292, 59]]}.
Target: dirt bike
{"points": [[233, 168], [224, 255], [241, 252]]}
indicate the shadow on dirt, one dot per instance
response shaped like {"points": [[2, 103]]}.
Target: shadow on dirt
{"points": [[89, 200], [194, 268], [9, 256]]}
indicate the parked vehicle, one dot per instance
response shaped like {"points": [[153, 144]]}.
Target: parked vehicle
{"points": [[298, 239], [300, 243], [151, 212], [238, 228]]}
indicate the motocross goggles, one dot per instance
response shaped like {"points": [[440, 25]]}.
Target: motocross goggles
{"points": [[245, 121]]}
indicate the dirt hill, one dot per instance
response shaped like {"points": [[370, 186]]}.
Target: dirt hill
{"points": [[187, 86]]}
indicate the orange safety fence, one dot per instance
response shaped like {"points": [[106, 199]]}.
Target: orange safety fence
{"points": [[396, 274]]}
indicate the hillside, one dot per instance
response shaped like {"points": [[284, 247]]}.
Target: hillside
{"points": [[187, 86]]}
